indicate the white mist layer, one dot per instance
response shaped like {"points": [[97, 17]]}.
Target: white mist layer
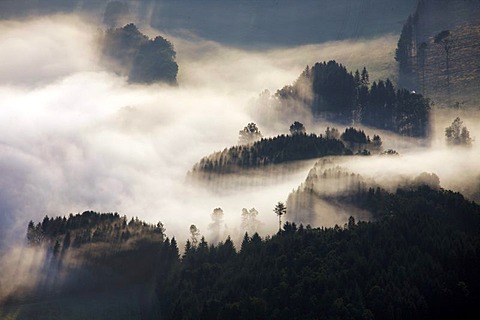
{"points": [[457, 166], [74, 137]]}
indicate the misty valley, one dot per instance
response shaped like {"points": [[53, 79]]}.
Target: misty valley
{"points": [[273, 159]]}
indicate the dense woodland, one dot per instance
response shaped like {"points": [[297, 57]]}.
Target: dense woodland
{"points": [[60, 233], [417, 259], [129, 52], [270, 151], [298, 145], [331, 92]]}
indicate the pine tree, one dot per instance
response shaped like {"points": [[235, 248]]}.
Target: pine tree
{"points": [[280, 210]]}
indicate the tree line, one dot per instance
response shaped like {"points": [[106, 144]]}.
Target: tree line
{"points": [[256, 151], [418, 259], [331, 92], [61, 233]]}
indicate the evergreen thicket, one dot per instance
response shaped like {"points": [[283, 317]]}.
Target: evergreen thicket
{"points": [[61, 233], [417, 258], [282, 148], [287, 148], [131, 53], [331, 92]]}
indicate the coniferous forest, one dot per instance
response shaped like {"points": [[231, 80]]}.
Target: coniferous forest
{"points": [[331, 92], [417, 258]]}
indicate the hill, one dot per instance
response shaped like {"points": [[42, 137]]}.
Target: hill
{"points": [[423, 62], [328, 91], [268, 152], [417, 258], [86, 253]]}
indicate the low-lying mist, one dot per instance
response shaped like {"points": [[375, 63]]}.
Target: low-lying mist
{"points": [[76, 137]]}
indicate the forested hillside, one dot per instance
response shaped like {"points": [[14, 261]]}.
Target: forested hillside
{"points": [[418, 259], [330, 92], [298, 145]]}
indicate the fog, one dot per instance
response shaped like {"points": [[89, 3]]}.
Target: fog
{"points": [[456, 166], [75, 137]]}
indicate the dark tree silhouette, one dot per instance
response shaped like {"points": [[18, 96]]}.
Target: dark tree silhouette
{"points": [[154, 61], [141, 59], [280, 210], [332, 133], [337, 95], [297, 128], [249, 134]]}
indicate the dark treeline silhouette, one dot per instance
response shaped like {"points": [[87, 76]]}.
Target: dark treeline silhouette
{"points": [[61, 233], [331, 92], [103, 255], [285, 148], [131, 53], [417, 260], [275, 150]]}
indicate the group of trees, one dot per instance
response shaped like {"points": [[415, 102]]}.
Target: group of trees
{"points": [[330, 91], [458, 134], [61, 233], [357, 140], [218, 230], [298, 145], [249, 134], [417, 260], [129, 52], [283, 148]]}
